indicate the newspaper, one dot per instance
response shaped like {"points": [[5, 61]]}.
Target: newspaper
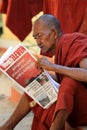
{"points": [[19, 65]]}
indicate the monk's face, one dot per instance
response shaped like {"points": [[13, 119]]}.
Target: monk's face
{"points": [[45, 37]]}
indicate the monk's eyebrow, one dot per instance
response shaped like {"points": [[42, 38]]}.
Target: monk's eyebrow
{"points": [[35, 35]]}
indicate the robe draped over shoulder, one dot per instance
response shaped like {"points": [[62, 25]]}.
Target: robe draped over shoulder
{"points": [[72, 94]]}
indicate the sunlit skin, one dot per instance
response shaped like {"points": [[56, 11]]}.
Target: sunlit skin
{"points": [[45, 37]]}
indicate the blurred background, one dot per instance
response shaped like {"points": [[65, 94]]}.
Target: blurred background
{"points": [[16, 19]]}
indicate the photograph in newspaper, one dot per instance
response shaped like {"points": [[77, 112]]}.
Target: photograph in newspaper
{"points": [[43, 90], [19, 65]]}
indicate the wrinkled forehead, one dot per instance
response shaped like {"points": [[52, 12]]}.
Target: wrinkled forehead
{"points": [[39, 27]]}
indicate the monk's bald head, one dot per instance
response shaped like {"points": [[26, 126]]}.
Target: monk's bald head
{"points": [[49, 21]]}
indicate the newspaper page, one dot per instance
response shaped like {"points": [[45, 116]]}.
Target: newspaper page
{"points": [[19, 64]]}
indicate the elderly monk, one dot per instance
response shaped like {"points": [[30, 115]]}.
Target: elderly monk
{"points": [[70, 50]]}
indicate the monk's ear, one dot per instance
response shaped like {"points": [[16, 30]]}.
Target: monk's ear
{"points": [[55, 33]]}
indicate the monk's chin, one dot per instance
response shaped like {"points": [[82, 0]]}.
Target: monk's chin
{"points": [[49, 54], [44, 52]]}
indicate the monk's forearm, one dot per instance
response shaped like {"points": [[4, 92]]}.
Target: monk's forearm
{"points": [[79, 74], [21, 110]]}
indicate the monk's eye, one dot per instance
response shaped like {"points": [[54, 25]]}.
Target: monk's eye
{"points": [[39, 36]]}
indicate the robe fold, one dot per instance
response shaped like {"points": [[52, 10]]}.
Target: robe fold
{"points": [[71, 14], [72, 94], [50, 7], [19, 14], [42, 117]]}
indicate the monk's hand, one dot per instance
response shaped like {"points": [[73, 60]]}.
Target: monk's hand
{"points": [[44, 63]]}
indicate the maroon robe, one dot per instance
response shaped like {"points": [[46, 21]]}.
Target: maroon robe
{"points": [[19, 14], [71, 14], [50, 7], [72, 94], [42, 117]]}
